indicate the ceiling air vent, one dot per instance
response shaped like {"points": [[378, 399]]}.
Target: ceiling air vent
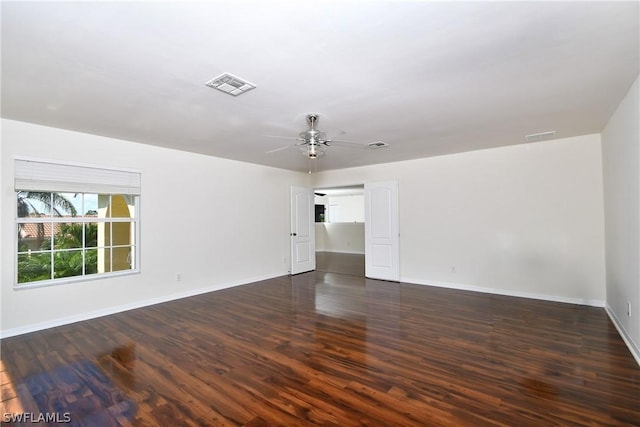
{"points": [[228, 83], [377, 144], [543, 136]]}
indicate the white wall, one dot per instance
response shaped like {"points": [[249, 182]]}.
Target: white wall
{"points": [[201, 216], [351, 208], [342, 237], [523, 220], [321, 233], [621, 167]]}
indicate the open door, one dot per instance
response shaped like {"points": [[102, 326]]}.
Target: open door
{"points": [[303, 232], [381, 231]]}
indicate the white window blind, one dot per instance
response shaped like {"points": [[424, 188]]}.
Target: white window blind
{"points": [[38, 175]]}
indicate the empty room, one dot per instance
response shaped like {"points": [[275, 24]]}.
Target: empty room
{"points": [[381, 213]]}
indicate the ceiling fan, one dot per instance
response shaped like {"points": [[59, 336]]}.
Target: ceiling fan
{"points": [[313, 141]]}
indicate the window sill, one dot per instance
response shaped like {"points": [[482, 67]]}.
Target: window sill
{"points": [[77, 279]]}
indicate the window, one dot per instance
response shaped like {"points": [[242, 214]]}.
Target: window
{"points": [[68, 231]]}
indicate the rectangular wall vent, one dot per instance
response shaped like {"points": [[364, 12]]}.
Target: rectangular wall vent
{"points": [[228, 83]]}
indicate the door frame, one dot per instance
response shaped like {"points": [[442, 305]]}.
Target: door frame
{"points": [[396, 212]]}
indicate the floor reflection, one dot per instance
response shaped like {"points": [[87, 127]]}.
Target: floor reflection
{"points": [[334, 262], [342, 298], [120, 362], [77, 393]]}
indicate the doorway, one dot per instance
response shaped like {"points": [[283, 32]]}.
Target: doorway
{"points": [[381, 231], [339, 222]]}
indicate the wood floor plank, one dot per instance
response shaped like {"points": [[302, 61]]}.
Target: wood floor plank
{"points": [[329, 349]]}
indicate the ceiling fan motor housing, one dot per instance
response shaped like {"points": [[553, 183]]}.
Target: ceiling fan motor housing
{"points": [[312, 119]]}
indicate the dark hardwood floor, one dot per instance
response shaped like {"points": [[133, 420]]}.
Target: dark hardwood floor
{"points": [[332, 349]]}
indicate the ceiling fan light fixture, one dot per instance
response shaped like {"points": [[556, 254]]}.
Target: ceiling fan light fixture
{"points": [[230, 84], [312, 152]]}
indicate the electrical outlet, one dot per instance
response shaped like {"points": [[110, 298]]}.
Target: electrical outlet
{"points": [[629, 308], [453, 269], [178, 277]]}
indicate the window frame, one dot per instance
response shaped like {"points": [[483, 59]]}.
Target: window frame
{"points": [[134, 221]]}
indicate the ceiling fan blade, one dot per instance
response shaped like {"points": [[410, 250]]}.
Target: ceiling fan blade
{"points": [[346, 144], [278, 149], [281, 137], [275, 150]]}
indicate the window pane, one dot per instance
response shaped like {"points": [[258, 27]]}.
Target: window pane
{"points": [[131, 203], [122, 206], [90, 205], [121, 259], [34, 267], [91, 261], [91, 235], [104, 234], [121, 233], [67, 204], [68, 236], [34, 236], [33, 204], [132, 234], [104, 209], [104, 260], [132, 257], [67, 263]]}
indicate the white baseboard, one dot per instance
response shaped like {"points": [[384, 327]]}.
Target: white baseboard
{"points": [[126, 307], [506, 292], [633, 348]]}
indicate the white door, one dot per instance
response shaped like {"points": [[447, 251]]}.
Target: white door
{"points": [[303, 232], [381, 231]]}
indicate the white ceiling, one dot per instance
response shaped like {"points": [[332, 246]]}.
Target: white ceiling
{"points": [[429, 78]]}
